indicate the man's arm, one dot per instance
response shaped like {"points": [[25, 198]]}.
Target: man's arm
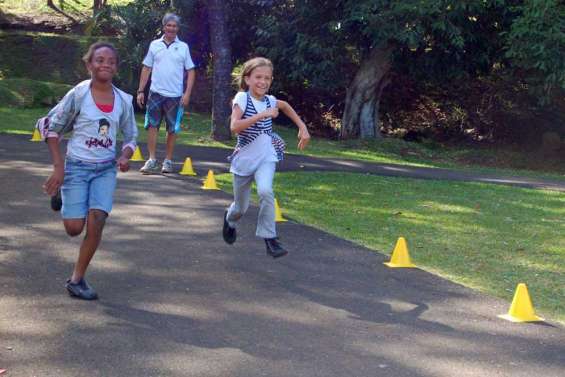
{"points": [[145, 72], [189, 84]]}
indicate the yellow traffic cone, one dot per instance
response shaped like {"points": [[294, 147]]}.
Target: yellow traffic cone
{"points": [[278, 213], [521, 309], [187, 167], [137, 156], [36, 135], [400, 256], [210, 182]]}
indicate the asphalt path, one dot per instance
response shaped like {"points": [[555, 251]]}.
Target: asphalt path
{"points": [[175, 300]]}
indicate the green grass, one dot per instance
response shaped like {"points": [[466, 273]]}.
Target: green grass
{"points": [[22, 121], [493, 160], [77, 7], [30, 93], [19, 121], [27, 49], [487, 237], [197, 133], [387, 150]]}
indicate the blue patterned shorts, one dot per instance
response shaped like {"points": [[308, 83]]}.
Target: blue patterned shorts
{"points": [[170, 108]]}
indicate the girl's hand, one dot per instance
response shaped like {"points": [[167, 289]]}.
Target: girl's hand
{"points": [[52, 184], [123, 164], [271, 112], [303, 138]]}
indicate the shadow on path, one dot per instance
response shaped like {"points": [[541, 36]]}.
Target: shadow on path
{"points": [[177, 301]]}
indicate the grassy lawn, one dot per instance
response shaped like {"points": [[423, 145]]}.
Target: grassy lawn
{"points": [[487, 237], [393, 151], [77, 7], [22, 121], [27, 93]]}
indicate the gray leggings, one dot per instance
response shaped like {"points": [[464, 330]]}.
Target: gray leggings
{"points": [[263, 176]]}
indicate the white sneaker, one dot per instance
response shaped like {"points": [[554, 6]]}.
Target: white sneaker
{"points": [[167, 166], [150, 167]]}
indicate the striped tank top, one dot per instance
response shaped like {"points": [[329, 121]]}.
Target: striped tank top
{"points": [[264, 126]]}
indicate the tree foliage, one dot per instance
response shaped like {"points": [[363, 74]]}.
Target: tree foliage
{"points": [[321, 49], [320, 45], [536, 44]]}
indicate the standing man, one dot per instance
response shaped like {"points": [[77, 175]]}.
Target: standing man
{"points": [[167, 60]]}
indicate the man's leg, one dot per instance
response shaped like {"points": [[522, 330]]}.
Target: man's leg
{"points": [[173, 113], [171, 139], [153, 117], [152, 135]]}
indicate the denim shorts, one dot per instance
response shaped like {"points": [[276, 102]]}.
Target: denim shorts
{"points": [[87, 185]]}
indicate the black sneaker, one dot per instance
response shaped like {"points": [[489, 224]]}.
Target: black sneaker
{"points": [[228, 232], [274, 248], [81, 290], [56, 201]]}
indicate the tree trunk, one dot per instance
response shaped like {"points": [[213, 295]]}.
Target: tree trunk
{"points": [[97, 6], [221, 56], [52, 5], [361, 115]]}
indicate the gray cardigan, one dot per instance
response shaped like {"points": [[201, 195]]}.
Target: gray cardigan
{"points": [[62, 116]]}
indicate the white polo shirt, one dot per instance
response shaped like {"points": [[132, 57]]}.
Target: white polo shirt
{"points": [[168, 64]]}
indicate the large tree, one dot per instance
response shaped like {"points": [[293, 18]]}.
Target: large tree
{"points": [[97, 6], [316, 41], [222, 67], [52, 5]]}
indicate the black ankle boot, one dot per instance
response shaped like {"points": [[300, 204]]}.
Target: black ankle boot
{"points": [[274, 248]]}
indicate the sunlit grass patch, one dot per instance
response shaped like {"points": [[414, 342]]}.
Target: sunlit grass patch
{"points": [[488, 237], [383, 151]]}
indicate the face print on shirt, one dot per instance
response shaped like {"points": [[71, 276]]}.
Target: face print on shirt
{"points": [[103, 128], [103, 140]]}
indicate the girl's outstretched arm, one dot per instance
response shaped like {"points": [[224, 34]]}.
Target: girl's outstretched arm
{"points": [[303, 134], [237, 124]]}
